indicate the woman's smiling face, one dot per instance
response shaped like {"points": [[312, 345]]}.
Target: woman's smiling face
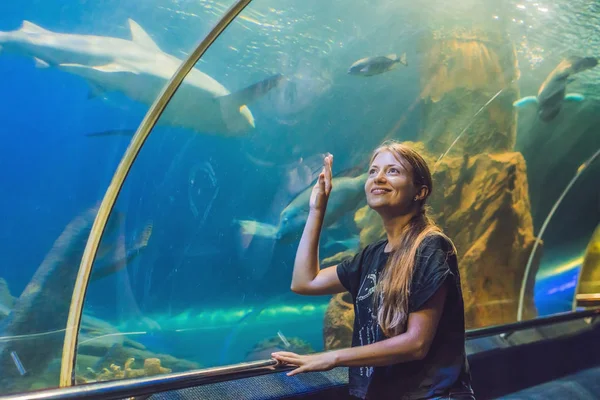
{"points": [[389, 187]]}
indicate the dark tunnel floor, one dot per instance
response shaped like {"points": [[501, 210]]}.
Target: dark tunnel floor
{"points": [[584, 385]]}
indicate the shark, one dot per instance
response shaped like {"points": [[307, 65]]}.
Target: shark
{"points": [[139, 69]]}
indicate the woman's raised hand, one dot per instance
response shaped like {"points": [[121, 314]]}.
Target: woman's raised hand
{"points": [[321, 190]]}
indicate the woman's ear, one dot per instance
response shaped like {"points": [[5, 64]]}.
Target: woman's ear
{"points": [[422, 193]]}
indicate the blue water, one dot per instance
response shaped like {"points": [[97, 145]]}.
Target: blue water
{"points": [[555, 294], [188, 292]]}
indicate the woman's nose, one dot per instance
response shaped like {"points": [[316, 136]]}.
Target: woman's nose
{"points": [[380, 177]]}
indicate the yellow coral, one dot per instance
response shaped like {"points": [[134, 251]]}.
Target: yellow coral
{"points": [[129, 363], [152, 367]]}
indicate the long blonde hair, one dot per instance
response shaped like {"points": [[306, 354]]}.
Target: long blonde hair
{"points": [[394, 285]]}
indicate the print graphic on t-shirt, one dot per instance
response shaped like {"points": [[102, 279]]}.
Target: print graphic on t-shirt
{"points": [[368, 330], [367, 289]]}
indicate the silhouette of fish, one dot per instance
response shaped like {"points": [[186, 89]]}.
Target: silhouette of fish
{"points": [[376, 65], [552, 92]]}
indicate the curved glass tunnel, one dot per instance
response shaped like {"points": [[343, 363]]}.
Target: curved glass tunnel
{"points": [[194, 266]]}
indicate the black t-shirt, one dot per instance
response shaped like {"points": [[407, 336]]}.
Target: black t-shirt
{"points": [[445, 367]]}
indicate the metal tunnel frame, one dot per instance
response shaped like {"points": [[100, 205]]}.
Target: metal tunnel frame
{"points": [[69, 354], [527, 273]]}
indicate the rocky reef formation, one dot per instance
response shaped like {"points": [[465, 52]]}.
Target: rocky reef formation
{"points": [[40, 313], [6, 299], [35, 321], [485, 209], [589, 277], [152, 366], [469, 82], [339, 320], [98, 352], [101, 352], [482, 203], [480, 195]]}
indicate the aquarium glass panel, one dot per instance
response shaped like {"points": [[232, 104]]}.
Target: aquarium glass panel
{"points": [[195, 264], [67, 112], [216, 203]]}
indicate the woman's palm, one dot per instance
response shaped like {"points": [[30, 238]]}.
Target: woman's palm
{"points": [[321, 190]]}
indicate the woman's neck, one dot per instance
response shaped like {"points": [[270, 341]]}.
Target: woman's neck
{"points": [[394, 226]]}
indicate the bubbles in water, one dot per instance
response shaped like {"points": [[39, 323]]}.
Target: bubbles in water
{"points": [[306, 81]]}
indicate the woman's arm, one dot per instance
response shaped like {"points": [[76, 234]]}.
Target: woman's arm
{"points": [[307, 277], [409, 346]]}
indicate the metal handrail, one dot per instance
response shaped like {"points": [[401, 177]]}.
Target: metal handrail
{"points": [[587, 299], [531, 323], [124, 388], [120, 389], [70, 343]]}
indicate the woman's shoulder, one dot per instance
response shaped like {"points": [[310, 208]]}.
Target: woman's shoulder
{"points": [[371, 251], [436, 241], [377, 246], [367, 252], [436, 258]]}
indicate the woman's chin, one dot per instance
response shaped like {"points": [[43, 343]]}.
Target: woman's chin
{"points": [[377, 204]]}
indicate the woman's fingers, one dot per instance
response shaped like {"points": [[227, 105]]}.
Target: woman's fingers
{"points": [[288, 360], [296, 371], [322, 181], [328, 173], [284, 353]]}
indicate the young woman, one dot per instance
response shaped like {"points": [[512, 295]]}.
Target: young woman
{"points": [[409, 330]]}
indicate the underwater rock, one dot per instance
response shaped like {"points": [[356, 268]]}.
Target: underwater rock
{"points": [[102, 345], [482, 203], [98, 347], [484, 206], [6, 299], [119, 354], [152, 366], [84, 361], [263, 349], [41, 311], [338, 257], [96, 336], [339, 322], [43, 308], [461, 71], [589, 279], [369, 223]]}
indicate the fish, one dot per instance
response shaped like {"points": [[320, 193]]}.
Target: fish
{"points": [[297, 176], [552, 92], [139, 69], [346, 195], [376, 65]]}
